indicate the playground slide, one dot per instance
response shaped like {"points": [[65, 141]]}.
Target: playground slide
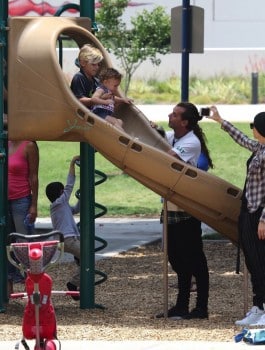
{"points": [[42, 107]]}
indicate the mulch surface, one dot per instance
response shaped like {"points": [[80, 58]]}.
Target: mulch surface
{"points": [[133, 294]]}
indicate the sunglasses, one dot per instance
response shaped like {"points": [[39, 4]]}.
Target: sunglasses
{"points": [[251, 125]]}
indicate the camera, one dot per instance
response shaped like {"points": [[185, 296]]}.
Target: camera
{"points": [[205, 112]]}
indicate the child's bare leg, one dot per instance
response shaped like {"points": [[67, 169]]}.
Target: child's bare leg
{"points": [[114, 121]]}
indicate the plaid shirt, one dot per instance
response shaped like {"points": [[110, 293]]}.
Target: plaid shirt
{"points": [[255, 180]]}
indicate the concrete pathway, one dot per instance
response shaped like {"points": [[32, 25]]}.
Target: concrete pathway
{"points": [[139, 345], [121, 234]]}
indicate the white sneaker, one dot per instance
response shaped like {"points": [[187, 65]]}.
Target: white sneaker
{"points": [[260, 322], [252, 317]]}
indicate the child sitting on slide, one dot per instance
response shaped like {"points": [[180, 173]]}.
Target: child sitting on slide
{"points": [[106, 95]]}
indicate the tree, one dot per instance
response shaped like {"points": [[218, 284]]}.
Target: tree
{"points": [[148, 36]]}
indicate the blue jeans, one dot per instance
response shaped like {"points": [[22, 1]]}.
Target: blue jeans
{"points": [[102, 112], [17, 211]]}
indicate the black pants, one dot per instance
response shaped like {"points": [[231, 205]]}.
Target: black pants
{"points": [[254, 252], [186, 256]]}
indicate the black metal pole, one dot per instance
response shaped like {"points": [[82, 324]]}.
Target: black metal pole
{"points": [[186, 42], [87, 204], [254, 87]]}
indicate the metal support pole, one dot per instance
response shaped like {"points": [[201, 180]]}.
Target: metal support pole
{"points": [[186, 41], [254, 87], [87, 9], [87, 204], [165, 258], [3, 163], [87, 226]]}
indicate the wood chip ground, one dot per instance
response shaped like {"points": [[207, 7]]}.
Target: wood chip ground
{"points": [[133, 294]]}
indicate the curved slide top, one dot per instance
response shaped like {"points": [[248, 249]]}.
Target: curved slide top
{"points": [[41, 106]]}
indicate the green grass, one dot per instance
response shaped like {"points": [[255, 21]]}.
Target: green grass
{"points": [[215, 90], [121, 194]]}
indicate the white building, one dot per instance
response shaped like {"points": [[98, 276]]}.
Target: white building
{"points": [[233, 35], [233, 39]]}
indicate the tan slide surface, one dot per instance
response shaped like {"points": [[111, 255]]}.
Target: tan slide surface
{"points": [[41, 106]]}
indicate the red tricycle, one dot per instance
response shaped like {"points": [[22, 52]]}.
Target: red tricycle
{"points": [[33, 255]]}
